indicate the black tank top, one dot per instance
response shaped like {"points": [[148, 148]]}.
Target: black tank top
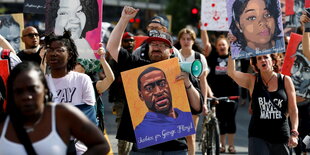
{"points": [[268, 120]]}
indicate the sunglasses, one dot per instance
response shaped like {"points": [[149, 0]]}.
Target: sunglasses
{"points": [[128, 40], [31, 35]]}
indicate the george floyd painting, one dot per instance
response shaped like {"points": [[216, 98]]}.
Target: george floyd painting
{"points": [[83, 18], [158, 104], [256, 26]]}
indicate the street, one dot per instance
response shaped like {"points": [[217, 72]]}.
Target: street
{"points": [[241, 140]]}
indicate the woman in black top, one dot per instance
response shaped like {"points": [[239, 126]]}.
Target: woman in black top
{"points": [[273, 100]]}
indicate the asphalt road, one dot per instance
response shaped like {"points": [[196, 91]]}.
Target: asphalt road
{"points": [[241, 140]]}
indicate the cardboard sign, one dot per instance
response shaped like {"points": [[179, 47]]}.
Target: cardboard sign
{"points": [[213, 16], [11, 29], [83, 18], [297, 66], [4, 73], [294, 9], [158, 104], [34, 6], [254, 32]]}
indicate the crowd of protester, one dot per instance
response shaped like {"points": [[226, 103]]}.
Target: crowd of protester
{"points": [[48, 74]]}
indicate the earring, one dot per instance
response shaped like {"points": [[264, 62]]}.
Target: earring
{"points": [[240, 31]]}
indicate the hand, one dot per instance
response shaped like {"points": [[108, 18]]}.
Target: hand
{"points": [[231, 38], [184, 76], [101, 51], [304, 18], [293, 141], [129, 12]]}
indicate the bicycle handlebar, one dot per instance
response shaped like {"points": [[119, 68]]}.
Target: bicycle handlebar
{"points": [[226, 98]]}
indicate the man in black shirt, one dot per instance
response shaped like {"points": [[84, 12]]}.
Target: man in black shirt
{"points": [[159, 48], [31, 39]]}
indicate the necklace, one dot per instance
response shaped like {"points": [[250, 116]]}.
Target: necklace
{"points": [[266, 83], [31, 128]]}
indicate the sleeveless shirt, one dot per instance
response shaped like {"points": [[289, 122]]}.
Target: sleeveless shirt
{"points": [[50, 145], [268, 120]]}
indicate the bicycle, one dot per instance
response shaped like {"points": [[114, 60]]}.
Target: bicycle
{"points": [[210, 133]]}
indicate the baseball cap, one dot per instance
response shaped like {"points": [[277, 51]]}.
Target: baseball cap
{"points": [[127, 35], [159, 20], [155, 35]]}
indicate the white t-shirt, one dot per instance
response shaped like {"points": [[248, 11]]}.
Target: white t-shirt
{"points": [[75, 88], [191, 58]]}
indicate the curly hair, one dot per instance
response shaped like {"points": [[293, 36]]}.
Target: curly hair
{"points": [[89, 7], [70, 45], [237, 10]]}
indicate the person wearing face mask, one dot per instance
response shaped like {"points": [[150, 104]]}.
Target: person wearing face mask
{"points": [[76, 16]]}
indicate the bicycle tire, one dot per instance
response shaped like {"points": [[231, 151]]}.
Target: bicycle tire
{"points": [[203, 141], [213, 147]]}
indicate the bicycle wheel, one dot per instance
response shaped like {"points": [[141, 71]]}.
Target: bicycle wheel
{"points": [[213, 147], [203, 141]]}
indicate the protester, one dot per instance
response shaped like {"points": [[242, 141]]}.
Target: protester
{"points": [[273, 100], [255, 24], [223, 86], [33, 125], [100, 83], [32, 51], [159, 48], [186, 38], [116, 92], [66, 85]]}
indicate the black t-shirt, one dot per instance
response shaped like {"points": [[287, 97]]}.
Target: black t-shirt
{"points": [[125, 131], [221, 84], [268, 120], [34, 57]]}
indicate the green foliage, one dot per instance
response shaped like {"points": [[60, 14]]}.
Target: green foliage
{"points": [[181, 13]]}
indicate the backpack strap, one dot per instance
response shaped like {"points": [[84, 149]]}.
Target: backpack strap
{"points": [[197, 55]]}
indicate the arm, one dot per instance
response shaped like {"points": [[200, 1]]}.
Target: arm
{"points": [[5, 44], [192, 93], [204, 85], [103, 85], [206, 43], [114, 42], [244, 80], [306, 36], [292, 109], [81, 128]]}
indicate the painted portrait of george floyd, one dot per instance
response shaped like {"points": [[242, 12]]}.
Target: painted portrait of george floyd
{"points": [[10, 28], [297, 66], [256, 26], [81, 17], [158, 104]]}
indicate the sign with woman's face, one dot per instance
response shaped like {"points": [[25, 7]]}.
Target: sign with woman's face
{"points": [[70, 17], [297, 66], [257, 26], [81, 17]]}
